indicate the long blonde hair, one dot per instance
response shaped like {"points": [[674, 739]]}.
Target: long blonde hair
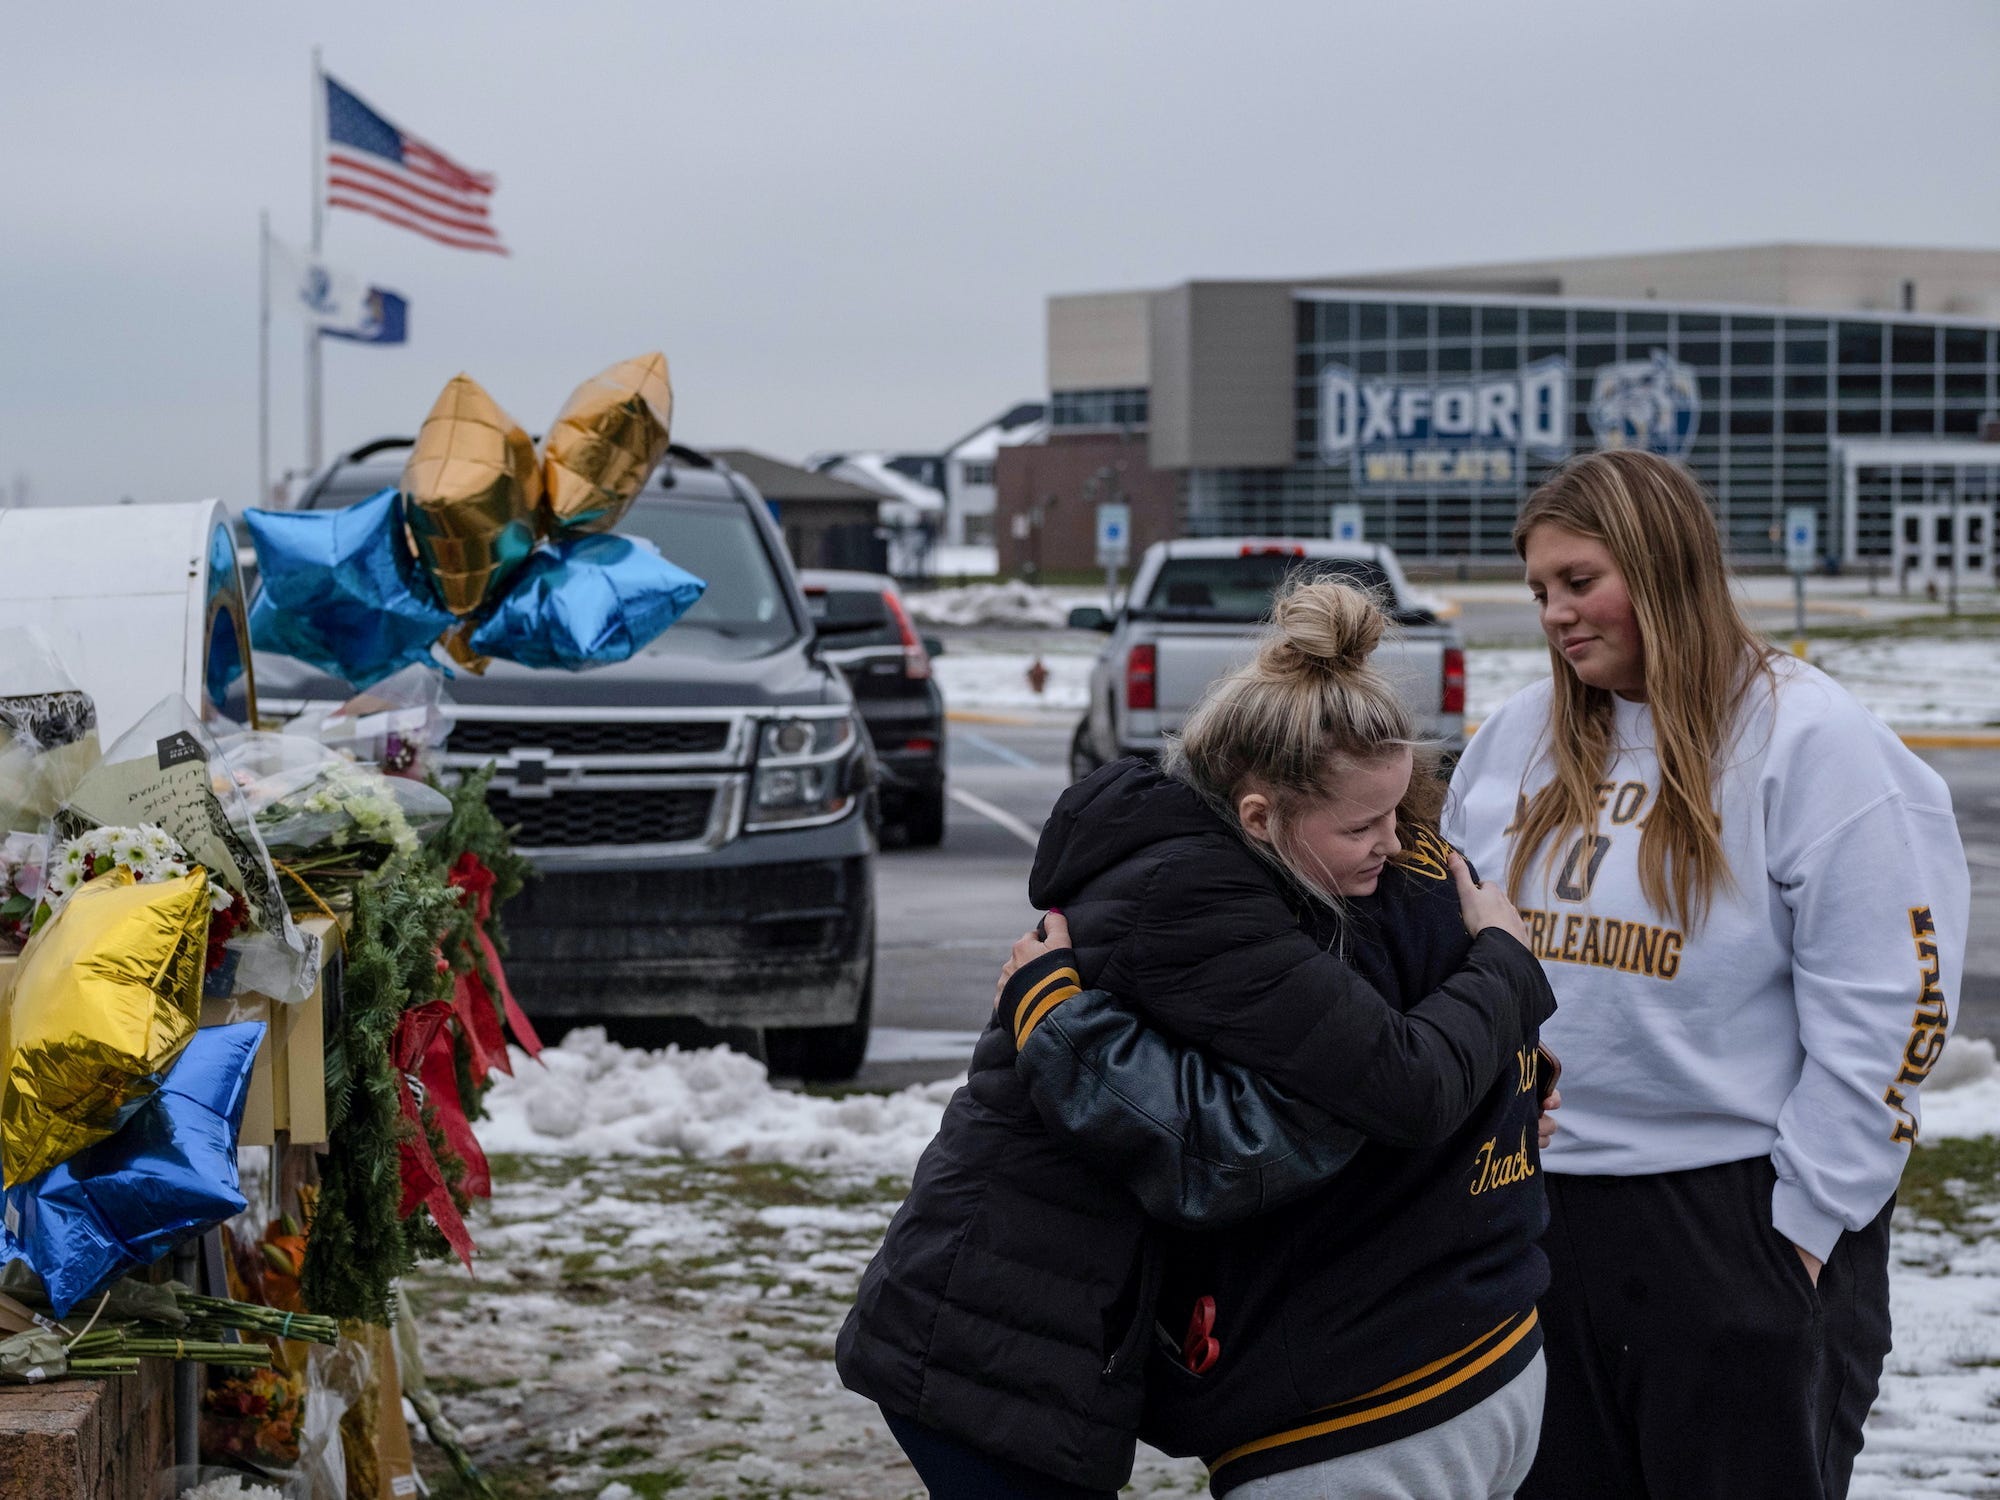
{"points": [[1654, 519], [1307, 706]]}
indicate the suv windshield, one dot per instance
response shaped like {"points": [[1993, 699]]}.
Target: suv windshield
{"points": [[849, 618], [717, 541], [1239, 589]]}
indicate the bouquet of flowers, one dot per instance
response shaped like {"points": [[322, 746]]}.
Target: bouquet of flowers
{"points": [[23, 858], [149, 854], [327, 821]]}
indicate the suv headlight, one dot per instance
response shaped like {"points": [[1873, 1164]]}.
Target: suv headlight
{"points": [[805, 771]]}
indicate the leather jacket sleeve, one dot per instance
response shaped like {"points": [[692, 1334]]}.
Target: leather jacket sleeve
{"points": [[1200, 1141]]}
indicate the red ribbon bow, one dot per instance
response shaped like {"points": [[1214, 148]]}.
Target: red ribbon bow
{"points": [[471, 998], [417, 1032]]}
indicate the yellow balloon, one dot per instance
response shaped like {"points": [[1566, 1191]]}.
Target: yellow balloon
{"points": [[472, 487], [104, 998], [606, 442]]}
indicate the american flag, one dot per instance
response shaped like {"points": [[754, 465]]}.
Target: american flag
{"points": [[374, 168]]}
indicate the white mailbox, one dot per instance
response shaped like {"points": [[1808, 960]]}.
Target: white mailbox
{"points": [[141, 601]]}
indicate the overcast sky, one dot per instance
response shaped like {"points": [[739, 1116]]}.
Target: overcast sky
{"points": [[840, 220]]}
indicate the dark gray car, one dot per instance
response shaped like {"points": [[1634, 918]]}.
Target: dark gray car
{"points": [[701, 816]]}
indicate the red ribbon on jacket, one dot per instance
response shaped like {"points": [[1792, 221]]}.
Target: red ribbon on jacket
{"points": [[423, 1179], [471, 875]]}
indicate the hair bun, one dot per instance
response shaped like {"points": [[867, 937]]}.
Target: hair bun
{"points": [[1323, 626]]}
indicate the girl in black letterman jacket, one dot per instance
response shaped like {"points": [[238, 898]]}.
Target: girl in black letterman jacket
{"points": [[1006, 1324]]}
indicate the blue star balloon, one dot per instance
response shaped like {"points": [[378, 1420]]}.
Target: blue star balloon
{"points": [[339, 590], [169, 1172], [587, 603]]}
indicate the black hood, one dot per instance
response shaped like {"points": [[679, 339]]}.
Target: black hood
{"points": [[1108, 817]]}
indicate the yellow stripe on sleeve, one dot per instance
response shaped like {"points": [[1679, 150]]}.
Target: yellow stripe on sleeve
{"points": [[1043, 998]]}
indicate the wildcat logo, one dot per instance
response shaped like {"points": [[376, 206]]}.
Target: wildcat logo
{"points": [[1654, 404]]}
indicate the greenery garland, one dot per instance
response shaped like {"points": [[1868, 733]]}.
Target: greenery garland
{"points": [[474, 828], [358, 1244], [403, 921]]}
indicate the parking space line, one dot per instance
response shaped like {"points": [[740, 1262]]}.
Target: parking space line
{"points": [[997, 750], [998, 815]]}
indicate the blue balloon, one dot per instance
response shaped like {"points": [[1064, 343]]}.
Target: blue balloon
{"points": [[168, 1173], [588, 603], [339, 590]]}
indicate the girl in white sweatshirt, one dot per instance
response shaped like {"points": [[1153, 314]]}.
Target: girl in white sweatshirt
{"points": [[1751, 902]]}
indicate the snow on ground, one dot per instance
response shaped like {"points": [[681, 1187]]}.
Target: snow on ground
{"points": [[999, 680], [1012, 603], [1922, 683], [1916, 683], [672, 1244]]}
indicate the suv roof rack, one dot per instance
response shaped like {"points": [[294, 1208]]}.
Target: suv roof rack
{"points": [[380, 445]]}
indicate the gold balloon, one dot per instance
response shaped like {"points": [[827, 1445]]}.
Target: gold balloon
{"points": [[104, 999], [472, 486], [606, 441]]}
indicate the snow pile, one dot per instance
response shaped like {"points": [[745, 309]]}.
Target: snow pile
{"points": [[1010, 603], [988, 680], [231, 1487], [594, 1098], [611, 1288], [1911, 684]]}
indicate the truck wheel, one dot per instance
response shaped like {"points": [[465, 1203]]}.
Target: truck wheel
{"points": [[923, 820], [1082, 759], [823, 1054]]}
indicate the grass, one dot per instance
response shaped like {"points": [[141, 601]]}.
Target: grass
{"points": [[1947, 1182]]}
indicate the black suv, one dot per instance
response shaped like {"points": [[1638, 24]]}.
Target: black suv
{"points": [[701, 816], [865, 630]]}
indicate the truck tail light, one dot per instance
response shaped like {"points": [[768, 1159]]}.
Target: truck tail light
{"points": [[1269, 550], [916, 660], [1454, 681], [1141, 675]]}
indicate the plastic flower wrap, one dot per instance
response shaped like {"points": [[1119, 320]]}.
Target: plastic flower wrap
{"points": [[48, 730], [166, 771], [400, 724], [103, 1000], [149, 855], [326, 820], [168, 1172]]}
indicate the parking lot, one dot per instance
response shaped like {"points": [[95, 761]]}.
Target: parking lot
{"points": [[947, 915]]}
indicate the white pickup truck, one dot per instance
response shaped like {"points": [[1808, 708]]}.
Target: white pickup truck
{"points": [[1194, 612]]}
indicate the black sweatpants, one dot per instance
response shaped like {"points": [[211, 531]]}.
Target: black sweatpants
{"points": [[1690, 1355], [952, 1470]]}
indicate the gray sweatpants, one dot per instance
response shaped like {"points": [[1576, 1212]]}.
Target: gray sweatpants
{"points": [[1481, 1454]]}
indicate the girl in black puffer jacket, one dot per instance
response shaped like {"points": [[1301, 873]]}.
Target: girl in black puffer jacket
{"points": [[1007, 1322]]}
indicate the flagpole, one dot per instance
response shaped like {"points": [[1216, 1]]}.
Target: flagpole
{"points": [[264, 357], [314, 433]]}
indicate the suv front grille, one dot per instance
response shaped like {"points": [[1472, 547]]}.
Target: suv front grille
{"points": [[570, 820], [590, 736]]}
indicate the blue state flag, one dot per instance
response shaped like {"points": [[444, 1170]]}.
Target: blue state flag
{"points": [[384, 319]]}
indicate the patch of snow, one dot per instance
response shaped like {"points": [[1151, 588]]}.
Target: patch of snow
{"points": [[1914, 683], [999, 679], [593, 1098], [1010, 603], [231, 1487], [962, 559]]}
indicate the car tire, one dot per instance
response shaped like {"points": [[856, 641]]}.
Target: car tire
{"points": [[1083, 760], [823, 1054], [923, 820]]}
